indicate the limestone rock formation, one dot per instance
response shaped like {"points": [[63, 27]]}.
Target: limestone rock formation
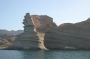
{"points": [[40, 32], [69, 36], [77, 28], [61, 40], [35, 27], [6, 41], [28, 39], [42, 24]]}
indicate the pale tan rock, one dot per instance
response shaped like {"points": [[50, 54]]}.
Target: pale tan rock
{"points": [[28, 39], [35, 27], [43, 23], [69, 36]]}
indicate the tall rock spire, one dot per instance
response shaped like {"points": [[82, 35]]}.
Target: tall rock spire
{"points": [[28, 39], [35, 28], [27, 20], [27, 23]]}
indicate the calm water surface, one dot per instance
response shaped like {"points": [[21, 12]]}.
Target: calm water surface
{"points": [[15, 54]]}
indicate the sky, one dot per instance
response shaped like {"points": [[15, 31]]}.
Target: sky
{"points": [[62, 11]]}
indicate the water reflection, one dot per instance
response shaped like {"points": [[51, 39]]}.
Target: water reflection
{"points": [[41, 54], [34, 54]]}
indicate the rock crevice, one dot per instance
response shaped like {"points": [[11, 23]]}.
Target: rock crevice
{"points": [[40, 32]]}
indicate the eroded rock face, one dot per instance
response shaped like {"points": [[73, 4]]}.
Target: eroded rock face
{"points": [[28, 39], [42, 24], [61, 40], [40, 32], [78, 28], [35, 27], [69, 36]]}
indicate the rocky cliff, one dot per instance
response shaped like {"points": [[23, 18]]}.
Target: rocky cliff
{"points": [[28, 39], [80, 28], [7, 38], [69, 36], [42, 24], [40, 32], [77, 27], [3, 32], [35, 27], [6, 41]]}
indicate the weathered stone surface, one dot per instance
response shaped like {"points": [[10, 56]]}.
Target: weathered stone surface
{"points": [[81, 28], [28, 39], [6, 41], [41, 32], [42, 24], [69, 36], [61, 40], [35, 27]]}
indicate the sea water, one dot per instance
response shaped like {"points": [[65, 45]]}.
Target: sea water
{"points": [[41, 54]]}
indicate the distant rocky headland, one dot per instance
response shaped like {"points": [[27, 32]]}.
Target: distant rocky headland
{"points": [[40, 32]]}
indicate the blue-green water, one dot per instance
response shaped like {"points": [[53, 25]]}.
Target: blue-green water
{"points": [[14, 54]]}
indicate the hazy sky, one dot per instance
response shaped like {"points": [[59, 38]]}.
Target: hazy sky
{"points": [[12, 11]]}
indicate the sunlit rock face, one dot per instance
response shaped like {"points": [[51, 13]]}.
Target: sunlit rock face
{"points": [[28, 39], [42, 24], [35, 27], [40, 32], [69, 36], [61, 40], [80, 28]]}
